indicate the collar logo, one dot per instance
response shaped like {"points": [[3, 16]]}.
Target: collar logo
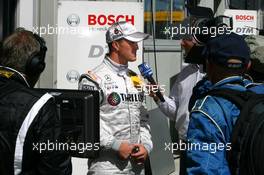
{"points": [[136, 80], [114, 99], [107, 77]]}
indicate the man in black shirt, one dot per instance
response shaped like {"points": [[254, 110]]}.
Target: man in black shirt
{"points": [[28, 118]]}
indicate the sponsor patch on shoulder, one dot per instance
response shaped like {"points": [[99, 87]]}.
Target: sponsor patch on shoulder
{"points": [[6, 73]]}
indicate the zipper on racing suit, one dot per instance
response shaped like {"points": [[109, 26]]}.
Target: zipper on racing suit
{"points": [[134, 134]]}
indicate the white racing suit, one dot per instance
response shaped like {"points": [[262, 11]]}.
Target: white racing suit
{"points": [[123, 117]]}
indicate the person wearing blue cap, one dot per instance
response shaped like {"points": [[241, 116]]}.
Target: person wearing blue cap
{"points": [[213, 118]]}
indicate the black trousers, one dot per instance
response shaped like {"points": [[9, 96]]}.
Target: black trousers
{"points": [[183, 162]]}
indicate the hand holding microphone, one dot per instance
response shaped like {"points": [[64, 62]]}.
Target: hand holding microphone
{"points": [[147, 73]]}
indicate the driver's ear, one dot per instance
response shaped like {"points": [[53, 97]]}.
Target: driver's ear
{"points": [[115, 45]]}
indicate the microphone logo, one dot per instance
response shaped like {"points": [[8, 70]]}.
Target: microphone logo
{"points": [[145, 70]]}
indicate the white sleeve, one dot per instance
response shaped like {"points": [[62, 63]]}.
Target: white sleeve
{"points": [[107, 140], [169, 107], [179, 92]]}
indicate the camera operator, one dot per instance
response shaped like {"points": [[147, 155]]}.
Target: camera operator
{"points": [[28, 118]]}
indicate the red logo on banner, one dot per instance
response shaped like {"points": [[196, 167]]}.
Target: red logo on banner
{"points": [[109, 19], [244, 17]]}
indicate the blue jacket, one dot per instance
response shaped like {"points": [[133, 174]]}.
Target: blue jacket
{"points": [[211, 124], [259, 89]]}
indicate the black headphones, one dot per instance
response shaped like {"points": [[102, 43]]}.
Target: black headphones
{"points": [[36, 63]]}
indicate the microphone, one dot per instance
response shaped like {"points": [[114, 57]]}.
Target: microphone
{"points": [[147, 73]]}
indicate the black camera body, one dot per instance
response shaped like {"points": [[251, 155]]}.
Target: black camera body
{"points": [[78, 111], [204, 26]]}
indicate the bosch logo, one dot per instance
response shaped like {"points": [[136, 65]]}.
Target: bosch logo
{"points": [[245, 17], [109, 19]]}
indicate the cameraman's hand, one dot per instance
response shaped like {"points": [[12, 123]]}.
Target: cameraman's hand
{"points": [[125, 150], [141, 155]]}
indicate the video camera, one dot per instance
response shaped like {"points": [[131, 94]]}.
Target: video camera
{"points": [[78, 112], [203, 27]]}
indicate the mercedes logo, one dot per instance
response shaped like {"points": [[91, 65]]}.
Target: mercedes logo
{"points": [[73, 76], [73, 20]]}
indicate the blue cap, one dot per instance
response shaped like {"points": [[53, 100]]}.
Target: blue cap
{"points": [[223, 47]]}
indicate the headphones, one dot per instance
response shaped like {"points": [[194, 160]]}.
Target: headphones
{"points": [[36, 63]]}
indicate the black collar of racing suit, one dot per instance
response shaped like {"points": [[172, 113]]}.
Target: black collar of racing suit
{"points": [[7, 73], [119, 68]]}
